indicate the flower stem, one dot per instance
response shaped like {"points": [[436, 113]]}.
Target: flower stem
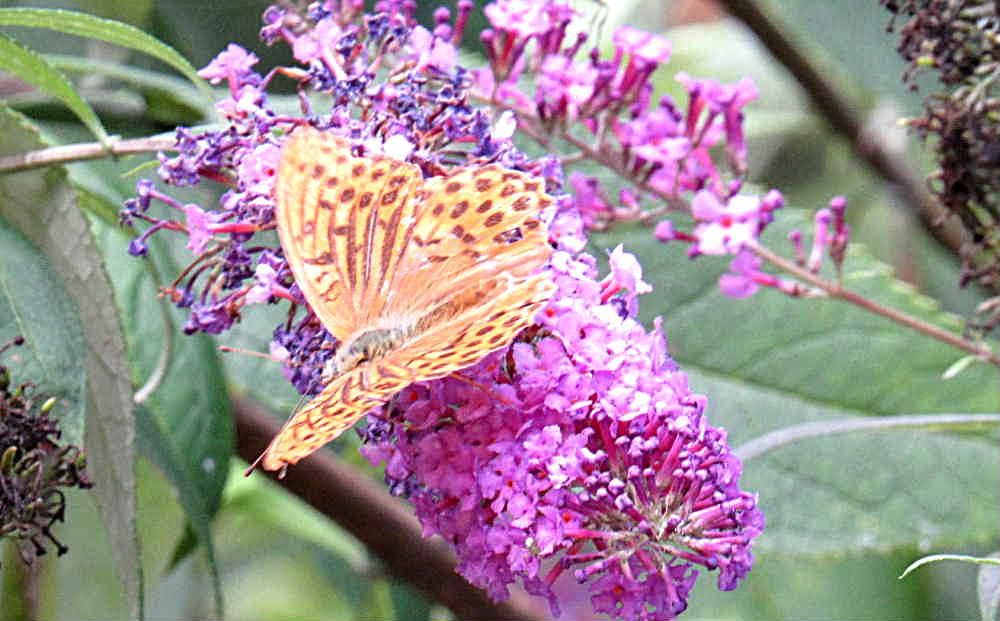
{"points": [[926, 422], [84, 151], [159, 372], [835, 290], [532, 128]]}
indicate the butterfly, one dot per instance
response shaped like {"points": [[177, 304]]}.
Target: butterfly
{"points": [[416, 278]]}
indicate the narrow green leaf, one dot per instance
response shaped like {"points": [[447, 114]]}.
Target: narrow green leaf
{"points": [[184, 423], [187, 100], [84, 25], [937, 558], [43, 206], [157, 444], [34, 304], [97, 206], [269, 505], [30, 67], [185, 546]]}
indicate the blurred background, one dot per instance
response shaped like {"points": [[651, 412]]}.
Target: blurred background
{"points": [[279, 559]]}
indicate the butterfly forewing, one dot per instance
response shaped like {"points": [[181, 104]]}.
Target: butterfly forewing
{"points": [[471, 225], [343, 223]]}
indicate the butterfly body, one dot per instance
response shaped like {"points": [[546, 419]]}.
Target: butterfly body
{"points": [[416, 278], [370, 345]]}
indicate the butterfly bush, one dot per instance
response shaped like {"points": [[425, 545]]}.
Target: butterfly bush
{"points": [[578, 451]]}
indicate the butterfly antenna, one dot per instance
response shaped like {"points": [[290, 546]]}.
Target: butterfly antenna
{"points": [[255, 354], [254, 465]]}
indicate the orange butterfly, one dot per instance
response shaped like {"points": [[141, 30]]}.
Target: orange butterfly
{"points": [[416, 278]]}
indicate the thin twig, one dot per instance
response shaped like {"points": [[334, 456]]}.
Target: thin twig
{"points": [[821, 429], [842, 116], [23, 584], [532, 129], [159, 372], [380, 522], [835, 290], [84, 151]]}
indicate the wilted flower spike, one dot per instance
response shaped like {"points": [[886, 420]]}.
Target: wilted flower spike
{"points": [[34, 467], [958, 43]]}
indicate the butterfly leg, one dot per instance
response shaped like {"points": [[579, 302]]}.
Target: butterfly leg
{"points": [[486, 389]]}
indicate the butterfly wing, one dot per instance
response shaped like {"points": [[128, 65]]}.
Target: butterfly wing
{"points": [[344, 223], [456, 339], [341, 404], [471, 225], [370, 243]]}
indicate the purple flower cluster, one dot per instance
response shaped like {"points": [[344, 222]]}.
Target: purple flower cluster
{"points": [[662, 146], [577, 450], [830, 237], [421, 113], [665, 150]]}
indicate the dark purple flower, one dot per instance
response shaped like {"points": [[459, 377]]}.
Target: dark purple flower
{"points": [[210, 318]]}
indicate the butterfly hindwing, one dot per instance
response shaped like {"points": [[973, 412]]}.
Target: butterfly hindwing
{"points": [[343, 402], [455, 342], [460, 340]]}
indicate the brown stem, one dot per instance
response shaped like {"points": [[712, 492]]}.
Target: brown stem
{"points": [[381, 523], [836, 291], [531, 128], [22, 583], [83, 151], [842, 115]]}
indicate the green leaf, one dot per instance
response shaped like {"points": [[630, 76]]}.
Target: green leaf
{"points": [[988, 589], [771, 362], [187, 103], [34, 304], [260, 378], [35, 70], [43, 206], [185, 424], [268, 505], [84, 25]]}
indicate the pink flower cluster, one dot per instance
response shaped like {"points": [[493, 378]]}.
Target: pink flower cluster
{"points": [[745, 276], [662, 146], [579, 450]]}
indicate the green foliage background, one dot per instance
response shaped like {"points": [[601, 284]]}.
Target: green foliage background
{"points": [[845, 514]]}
